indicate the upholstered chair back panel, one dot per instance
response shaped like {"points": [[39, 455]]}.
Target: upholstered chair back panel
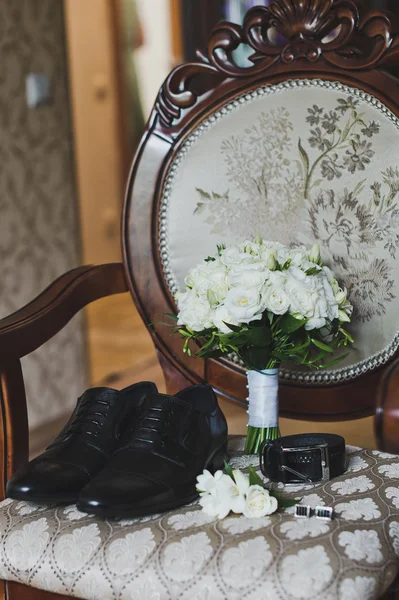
{"points": [[299, 162]]}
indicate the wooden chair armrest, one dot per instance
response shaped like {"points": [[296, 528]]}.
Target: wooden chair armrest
{"points": [[387, 411], [37, 322]]}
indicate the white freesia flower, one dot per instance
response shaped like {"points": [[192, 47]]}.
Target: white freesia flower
{"points": [[207, 482], [239, 491], [220, 495], [259, 503], [245, 305]]}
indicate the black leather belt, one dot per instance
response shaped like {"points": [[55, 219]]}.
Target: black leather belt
{"points": [[303, 458]]}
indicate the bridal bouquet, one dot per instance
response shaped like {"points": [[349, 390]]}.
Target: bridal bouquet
{"points": [[269, 304]]}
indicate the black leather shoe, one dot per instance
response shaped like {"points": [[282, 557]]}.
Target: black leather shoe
{"points": [[177, 438], [82, 448]]}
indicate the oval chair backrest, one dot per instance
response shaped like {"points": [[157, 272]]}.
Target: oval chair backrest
{"points": [[300, 147]]}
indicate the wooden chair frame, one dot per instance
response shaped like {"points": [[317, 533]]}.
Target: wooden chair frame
{"points": [[364, 45]]}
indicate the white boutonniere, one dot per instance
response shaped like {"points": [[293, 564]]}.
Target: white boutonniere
{"points": [[238, 492]]}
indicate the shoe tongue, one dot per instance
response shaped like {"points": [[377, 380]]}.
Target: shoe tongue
{"points": [[164, 401], [99, 393]]}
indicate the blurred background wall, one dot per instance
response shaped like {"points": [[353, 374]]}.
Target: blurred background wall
{"points": [[39, 232]]}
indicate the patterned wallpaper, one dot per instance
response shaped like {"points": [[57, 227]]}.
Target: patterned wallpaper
{"points": [[39, 236]]}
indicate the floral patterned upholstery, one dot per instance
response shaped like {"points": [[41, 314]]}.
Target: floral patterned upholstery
{"points": [[187, 555], [299, 162]]}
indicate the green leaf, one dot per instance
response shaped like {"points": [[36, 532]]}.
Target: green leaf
{"points": [[347, 335], [313, 271], [210, 259], [289, 324], [255, 357], [260, 336], [301, 347], [287, 503], [304, 156], [322, 346], [283, 502], [172, 317], [317, 358], [203, 194], [334, 362], [228, 470], [254, 478], [236, 328]]}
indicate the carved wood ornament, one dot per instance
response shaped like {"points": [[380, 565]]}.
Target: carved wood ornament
{"points": [[287, 31]]}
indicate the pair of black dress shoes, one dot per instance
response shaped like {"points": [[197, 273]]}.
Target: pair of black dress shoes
{"points": [[128, 453]]}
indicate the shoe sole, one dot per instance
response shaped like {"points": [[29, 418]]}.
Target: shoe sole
{"points": [[115, 512], [44, 501]]}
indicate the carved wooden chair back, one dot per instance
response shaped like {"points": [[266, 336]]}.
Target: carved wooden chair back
{"points": [[298, 144]]}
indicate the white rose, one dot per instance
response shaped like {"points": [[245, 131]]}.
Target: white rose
{"points": [[259, 503], [221, 316], [269, 248], [194, 312], [315, 323], [244, 305], [295, 255], [302, 301], [276, 300], [310, 282], [209, 276], [277, 279], [251, 275], [236, 256], [331, 280]]}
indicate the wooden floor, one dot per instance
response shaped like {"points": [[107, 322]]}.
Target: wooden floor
{"points": [[122, 353]]}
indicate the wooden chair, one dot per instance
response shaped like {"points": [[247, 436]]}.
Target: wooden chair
{"points": [[297, 109]]}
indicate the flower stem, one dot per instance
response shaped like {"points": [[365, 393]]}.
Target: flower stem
{"points": [[256, 435]]}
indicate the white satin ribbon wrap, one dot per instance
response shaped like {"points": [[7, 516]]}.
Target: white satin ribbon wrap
{"points": [[263, 398]]}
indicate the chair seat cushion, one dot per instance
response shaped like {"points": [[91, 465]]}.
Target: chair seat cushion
{"points": [[187, 555]]}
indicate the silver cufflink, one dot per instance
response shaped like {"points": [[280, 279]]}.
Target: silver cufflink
{"points": [[321, 512], [324, 512], [302, 511]]}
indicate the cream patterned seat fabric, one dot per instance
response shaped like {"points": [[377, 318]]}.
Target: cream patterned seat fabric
{"points": [[186, 555], [300, 162]]}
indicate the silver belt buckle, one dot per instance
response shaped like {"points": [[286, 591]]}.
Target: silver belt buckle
{"points": [[324, 462]]}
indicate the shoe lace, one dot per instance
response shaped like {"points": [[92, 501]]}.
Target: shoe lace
{"points": [[155, 424], [90, 418]]}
